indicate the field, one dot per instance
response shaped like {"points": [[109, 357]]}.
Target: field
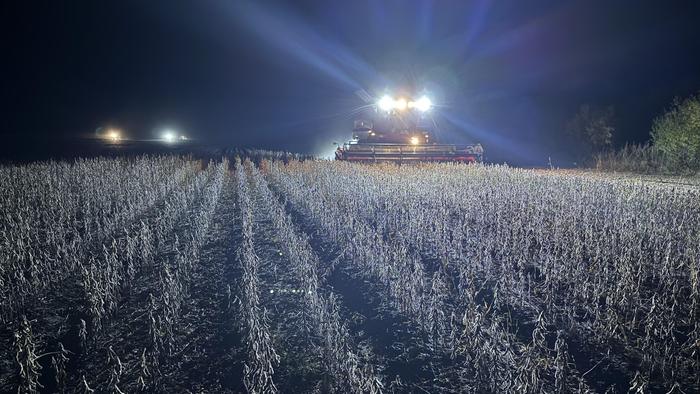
{"points": [[170, 274]]}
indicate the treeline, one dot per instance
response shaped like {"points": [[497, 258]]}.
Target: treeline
{"points": [[673, 148]]}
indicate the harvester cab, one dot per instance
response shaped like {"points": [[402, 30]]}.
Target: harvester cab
{"points": [[401, 131]]}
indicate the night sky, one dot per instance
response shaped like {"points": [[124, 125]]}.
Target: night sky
{"points": [[285, 75]]}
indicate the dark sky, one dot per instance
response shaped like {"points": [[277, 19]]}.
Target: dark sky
{"points": [[284, 75]]}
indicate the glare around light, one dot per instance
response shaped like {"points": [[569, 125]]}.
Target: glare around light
{"points": [[415, 141], [386, 103]]}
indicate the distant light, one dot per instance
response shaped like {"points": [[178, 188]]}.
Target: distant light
{"points": [[415, 141], [386, 103], [183, 138], [113, 135], [423, 104], [400, 104], [168, 136]]}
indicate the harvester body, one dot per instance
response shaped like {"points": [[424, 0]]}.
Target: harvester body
{"points": [[402, 136]]}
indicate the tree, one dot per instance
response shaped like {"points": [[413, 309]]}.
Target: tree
{"points": [[677, 135], [592, 128]]}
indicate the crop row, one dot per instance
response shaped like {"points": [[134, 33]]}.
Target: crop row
{"points": [[522, 242], [139, 247], [351, 372], [54, 215], [262, 357]]}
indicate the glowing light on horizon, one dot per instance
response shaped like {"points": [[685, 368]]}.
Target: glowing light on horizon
{"points": [[168, 136], [113, 135]]}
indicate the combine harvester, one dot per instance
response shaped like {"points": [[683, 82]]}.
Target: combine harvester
{"points": [[399, 134]]}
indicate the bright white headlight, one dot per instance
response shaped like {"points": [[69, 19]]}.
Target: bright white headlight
{"points": [[423, 104], [386, 103]]}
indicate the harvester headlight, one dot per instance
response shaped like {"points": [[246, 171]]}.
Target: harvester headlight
{"points": [[168, 136], [422, 104], [113, 135], [400, 104], [386, 103], [415, 141]]}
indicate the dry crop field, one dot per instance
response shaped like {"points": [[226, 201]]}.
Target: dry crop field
{"points": [[168, 274]]}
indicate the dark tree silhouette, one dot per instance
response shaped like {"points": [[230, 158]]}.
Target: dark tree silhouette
{"points": [[592, 129]]}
